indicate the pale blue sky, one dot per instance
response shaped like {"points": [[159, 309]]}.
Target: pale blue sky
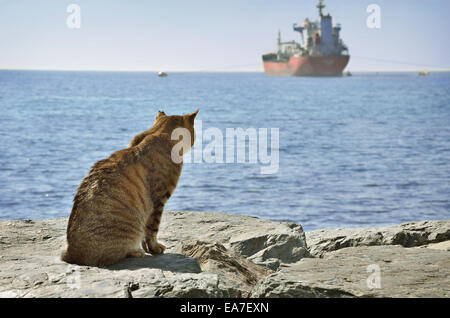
{"points": [[212, 35]]}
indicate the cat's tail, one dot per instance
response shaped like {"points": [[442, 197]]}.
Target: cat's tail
{"points": [[65, 257]]}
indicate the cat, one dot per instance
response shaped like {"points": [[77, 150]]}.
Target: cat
{"points": [[118, 206]]}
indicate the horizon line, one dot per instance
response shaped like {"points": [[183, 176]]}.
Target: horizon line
{"points": [[212, 71]]}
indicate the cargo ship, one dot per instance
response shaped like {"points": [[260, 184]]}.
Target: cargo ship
{"points": [[321, 52]]}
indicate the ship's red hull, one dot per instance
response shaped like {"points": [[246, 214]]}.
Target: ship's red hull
{"points": [[307, 66]]}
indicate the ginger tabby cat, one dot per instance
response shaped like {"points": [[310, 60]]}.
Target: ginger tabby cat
{"points": [[118, 205]]}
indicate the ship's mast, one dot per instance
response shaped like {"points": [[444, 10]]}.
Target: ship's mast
{"points": [[320, 6], [279, 41]]}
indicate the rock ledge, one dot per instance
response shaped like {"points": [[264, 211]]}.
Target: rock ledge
{"points": [[224, 255]]}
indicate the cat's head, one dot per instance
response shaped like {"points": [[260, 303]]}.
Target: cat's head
{"points": [[168, 124]]}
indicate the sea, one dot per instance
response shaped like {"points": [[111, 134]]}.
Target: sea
{"points": [[366, 150]]}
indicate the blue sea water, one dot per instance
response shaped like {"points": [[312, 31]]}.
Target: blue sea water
{"points": [[355, 151]]}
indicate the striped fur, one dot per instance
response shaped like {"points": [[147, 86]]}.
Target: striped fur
{"points": [[119, 204]]}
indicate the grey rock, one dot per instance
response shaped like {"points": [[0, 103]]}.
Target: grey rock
{"points": [[214, 255], [442, 246], [30, 264], [238, 273], [408, 235], [204, 285], [172, 262], [138, 277], [258, 240], [352, 272], [271, 263]]}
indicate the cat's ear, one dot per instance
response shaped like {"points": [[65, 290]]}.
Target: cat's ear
{"points": [[192, 116], [160, 114]]}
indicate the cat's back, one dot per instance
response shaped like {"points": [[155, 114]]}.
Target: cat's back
{"points": [[120, 177], [98, 180]]}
